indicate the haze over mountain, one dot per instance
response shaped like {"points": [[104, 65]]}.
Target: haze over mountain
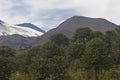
{"points": [[68, 27], [30, 25]]}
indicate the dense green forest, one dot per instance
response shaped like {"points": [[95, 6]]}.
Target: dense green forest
{"points": [[88, 55]]}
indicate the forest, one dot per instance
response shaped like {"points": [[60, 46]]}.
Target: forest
{"points": [[88, 55]]}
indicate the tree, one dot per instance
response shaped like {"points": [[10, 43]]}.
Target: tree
{"points": [[51, 65], [6, 51], [74, 53], [112, 40], [82, 35], [7, 62], [5, 68], [24, 58], [50, 49], [117, 29], [96, 57], [115, 48], [108, 40], [97, 34], [60, 39], [75, 50], [49, 69]]}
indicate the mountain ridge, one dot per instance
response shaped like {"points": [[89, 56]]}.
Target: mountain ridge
{"points": [[69, 26], [30, 25]]}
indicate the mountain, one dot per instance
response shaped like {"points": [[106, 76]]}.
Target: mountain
{"points": [[6, 29], [30, 25], [69, 26], [18, 37], [17, 42]]}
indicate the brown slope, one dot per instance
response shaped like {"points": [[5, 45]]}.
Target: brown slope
{"points": [[69, 26], [17, 42]]}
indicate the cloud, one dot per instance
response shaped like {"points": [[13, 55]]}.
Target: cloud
{"points": [[51, 18], [19, 10], [50, 13], [12, 11], [113, 12]]}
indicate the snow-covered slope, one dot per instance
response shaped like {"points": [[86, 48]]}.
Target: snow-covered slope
{"points": [[6, 29]]}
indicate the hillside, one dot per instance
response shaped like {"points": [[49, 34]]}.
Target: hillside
{"points": [[69, 26]]}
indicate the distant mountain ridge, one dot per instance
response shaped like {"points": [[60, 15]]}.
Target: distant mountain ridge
{"points": [[30, 25]]}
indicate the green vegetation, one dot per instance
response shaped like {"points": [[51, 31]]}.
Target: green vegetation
{"points": [[88, 55]]}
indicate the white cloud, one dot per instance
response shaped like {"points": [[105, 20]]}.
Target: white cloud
{"points": [[113, 12], [49, 13]]}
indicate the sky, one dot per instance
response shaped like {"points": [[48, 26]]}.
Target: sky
{"points": [[48, 14]]}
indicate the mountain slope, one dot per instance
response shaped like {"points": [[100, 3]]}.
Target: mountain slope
{"points": [[30, 25], [6, 29], [75, 22], [69, 26], [17, 41]]}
